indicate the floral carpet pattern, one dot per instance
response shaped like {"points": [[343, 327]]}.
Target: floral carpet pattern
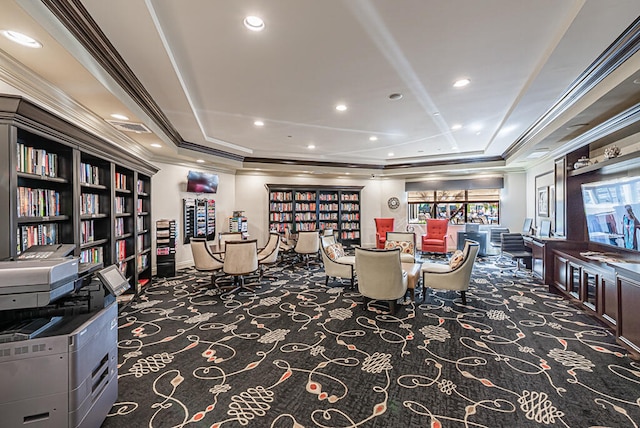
{"points": [[299, 354]]}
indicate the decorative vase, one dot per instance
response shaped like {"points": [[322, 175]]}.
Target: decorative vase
{"points": [[612, 152], [582, 162]]}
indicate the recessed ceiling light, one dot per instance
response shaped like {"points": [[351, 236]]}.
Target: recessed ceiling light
{"points": [[373, 138], [200, 160], [156, 145], [254, 23], [436, 113], [390, 154], [311, 146], [119, 116], [576, 126], [637, 81], [456, 127], [341, 107], [395, 96], [461, 83], [22, 39], [258, 123]]}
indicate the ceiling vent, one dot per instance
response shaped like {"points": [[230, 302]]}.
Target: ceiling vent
{"points": [[138, 128]]}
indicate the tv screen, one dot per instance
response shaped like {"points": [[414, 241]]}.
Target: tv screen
{"points": [[610, 210], [202, 182]]}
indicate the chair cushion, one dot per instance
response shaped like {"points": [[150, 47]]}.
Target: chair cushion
{"points": [[456, 259], [334, 251], [405, 246]]}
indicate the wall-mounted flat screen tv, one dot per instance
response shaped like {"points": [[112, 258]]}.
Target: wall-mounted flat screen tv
{"points": [[202, 182], [610, 209]]}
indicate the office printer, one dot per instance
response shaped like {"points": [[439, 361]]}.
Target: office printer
{"points": [[32, 283], [58, 340]]}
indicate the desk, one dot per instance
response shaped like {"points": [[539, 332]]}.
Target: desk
{"points": [[481, 237]]}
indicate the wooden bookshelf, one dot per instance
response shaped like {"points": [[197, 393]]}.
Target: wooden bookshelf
{"points": [[68, 186], [316, 208]]}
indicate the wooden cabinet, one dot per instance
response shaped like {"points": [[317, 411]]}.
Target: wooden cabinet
{"points": [[629, 315], [609, 291], [316, 208], [61, 184]]}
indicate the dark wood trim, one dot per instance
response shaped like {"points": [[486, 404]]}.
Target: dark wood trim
{"points": [[17, 111], [73, 15]]}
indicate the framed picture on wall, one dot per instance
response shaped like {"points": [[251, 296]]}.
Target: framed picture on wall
{"points": [[543, 201]]}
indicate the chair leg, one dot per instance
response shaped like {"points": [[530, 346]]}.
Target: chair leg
{"points": [[464, 297], [326, 281], [392, 306]]}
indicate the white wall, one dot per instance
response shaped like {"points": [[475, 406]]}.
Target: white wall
{"points": [[168, 190], [541, 175], [248, 193]]}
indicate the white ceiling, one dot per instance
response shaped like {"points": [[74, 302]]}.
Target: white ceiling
{"points": [[212, 78]]}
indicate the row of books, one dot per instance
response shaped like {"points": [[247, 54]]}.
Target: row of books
{"points": [[140, 207], [350, 207], [37, 161], [140, 187], [328, 196], [350, 217], [92, 255], [332, 225], [349, 197], [305, 226], [328, 216], [121, 204], [89, 174], [309, 216], [120, 230], [306, 207], [143, 262], [89, 204], [350, 235], [38, 202], [280, 196], [140, 243], [305, 196], [350, 226], [121, 181], [280, 217], [87, 232], [121, 250], [41, 234], [328, 207], [280, 206]]}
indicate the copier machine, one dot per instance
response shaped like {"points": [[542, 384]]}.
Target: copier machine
{"points": [[58, 343]]}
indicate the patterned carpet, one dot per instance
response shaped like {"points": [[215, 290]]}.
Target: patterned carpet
{"points": [[299, 354]]}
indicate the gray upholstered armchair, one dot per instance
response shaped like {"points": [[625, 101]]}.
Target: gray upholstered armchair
{"points": [[406, 242], [336, 263], [380, 276], [454, 275]]}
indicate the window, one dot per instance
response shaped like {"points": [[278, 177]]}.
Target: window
{"points": [[459, 206]]}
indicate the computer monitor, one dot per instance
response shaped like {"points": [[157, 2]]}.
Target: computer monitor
{"points": [[113, 280], [472, 228], [526, 227], [545, 228]]}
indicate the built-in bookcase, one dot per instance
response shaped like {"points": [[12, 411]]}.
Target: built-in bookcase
{"points": [[316, 208], [65, 185], [95, 210]]}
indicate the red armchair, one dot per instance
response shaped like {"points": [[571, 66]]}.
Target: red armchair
{"points": [[435, 238], [383, 225]]}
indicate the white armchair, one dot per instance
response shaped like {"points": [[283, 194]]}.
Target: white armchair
{"points": [[454, 275], [268, 256], [406, 242], [380, 276], [336, 263]]}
